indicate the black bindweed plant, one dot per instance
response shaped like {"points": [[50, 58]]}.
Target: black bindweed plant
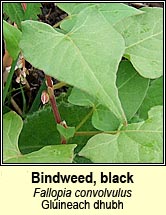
{"points": [[110, 56]]}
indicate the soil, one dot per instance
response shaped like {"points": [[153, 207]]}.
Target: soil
{"points": [[51, 15], [146, 4]]}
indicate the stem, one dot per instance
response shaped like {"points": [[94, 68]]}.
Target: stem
{"points": [[57, 24], [91, 133], [37, 100], [84, 119], [49, 81], [53, 104], [9, 79], [52, 99], [24, 6], [16, 107], [24, 100]]}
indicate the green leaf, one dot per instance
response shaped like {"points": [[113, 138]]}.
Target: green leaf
{"points": [[136, 143], [110, 12], [48, 154], [153, 97], [79, 117], [39, 130], [15, 12], [6, 109], [104, 120], [66, 132], [69, 57], [114, 12], [73, 8], [12, 126], [132, 90], [32, 10], [12, 38], [143, 36], [81, 98], [80, 68]]}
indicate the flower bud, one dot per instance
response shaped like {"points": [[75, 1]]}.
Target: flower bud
{"points": [[44, 97]]}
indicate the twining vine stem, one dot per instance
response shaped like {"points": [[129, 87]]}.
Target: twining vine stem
{"points": [[55, 110]]}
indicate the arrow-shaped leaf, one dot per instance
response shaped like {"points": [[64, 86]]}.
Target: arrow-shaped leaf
{"points": [[137, 143], [86, 57]]}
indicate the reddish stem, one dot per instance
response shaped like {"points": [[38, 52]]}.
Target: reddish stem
{"points": [[51, 94], [53, 104], [49, 81], [53, 100], [24, 6]]}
